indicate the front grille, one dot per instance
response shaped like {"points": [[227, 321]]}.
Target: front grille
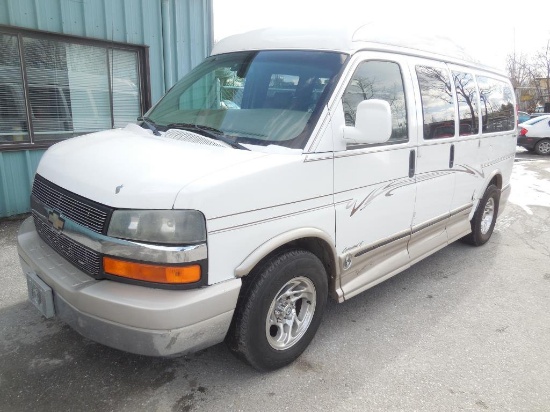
{"points": [[83, 258], [80, 210]]}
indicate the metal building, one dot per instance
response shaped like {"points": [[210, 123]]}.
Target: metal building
{"points": [[70, 67]]}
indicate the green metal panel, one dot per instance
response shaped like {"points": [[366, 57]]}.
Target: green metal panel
{"points": [[49, 12], [16, 175], [196, 37]]}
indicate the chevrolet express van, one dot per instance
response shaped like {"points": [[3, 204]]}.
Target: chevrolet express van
{"points": [[287, 168]]}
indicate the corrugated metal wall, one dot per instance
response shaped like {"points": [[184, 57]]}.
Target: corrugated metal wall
{"points": [[179, 34], [16, 175]]}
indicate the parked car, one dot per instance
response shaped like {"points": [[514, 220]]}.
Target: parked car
{"points": [[523, 117], [534, 134]]}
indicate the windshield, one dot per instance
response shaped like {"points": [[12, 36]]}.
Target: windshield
{"points": [[259, 98]]}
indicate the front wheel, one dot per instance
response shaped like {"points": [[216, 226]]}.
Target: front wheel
{"points": [[279, 310], [484, 218], [543, 147]]}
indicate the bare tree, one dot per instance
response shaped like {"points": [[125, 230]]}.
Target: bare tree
{"points": [[525, 73], [519, 70], [542, 64]]}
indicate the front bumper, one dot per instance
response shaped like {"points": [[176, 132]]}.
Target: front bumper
{"points": [[137, 319]]}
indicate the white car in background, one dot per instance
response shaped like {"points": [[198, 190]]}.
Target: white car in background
{"points": [[534, 135]]}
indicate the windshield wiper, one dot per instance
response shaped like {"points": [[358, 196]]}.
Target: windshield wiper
{"points": [[150, 124], [207, 131]]}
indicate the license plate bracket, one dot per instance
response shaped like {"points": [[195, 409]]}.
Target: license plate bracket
{"points": [[40, 295]]}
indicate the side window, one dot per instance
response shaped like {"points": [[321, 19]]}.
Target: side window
{"points": [[466, 96], [437, 102], [497, 105], [378, 80]]}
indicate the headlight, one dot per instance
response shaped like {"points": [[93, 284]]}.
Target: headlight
{"points": [[173, 227]]}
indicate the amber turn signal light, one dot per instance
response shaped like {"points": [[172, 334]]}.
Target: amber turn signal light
{"points": [[152, 273]]}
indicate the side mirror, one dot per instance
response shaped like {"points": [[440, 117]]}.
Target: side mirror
{"points": [[372, 123]]}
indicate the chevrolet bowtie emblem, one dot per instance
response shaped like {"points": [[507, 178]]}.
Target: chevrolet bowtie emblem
{"points": [[56, 220]]}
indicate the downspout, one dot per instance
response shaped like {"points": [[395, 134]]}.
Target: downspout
{"points": [[166, 44]]}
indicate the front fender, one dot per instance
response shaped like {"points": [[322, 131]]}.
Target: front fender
{"points": [[280, 240]]}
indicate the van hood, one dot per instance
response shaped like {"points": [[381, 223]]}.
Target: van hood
{"points": [[132, 168]]}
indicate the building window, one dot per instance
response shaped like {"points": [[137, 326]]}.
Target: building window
{"points": [[13, 120], [56, 87]]}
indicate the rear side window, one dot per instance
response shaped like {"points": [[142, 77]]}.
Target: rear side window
{"points": [[497, 105], [378, 80], [437, 102], [466, 96]]}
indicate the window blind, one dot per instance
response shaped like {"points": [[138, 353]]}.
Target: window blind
{"points": [[69, 88], [13, 117], [125, 84]]}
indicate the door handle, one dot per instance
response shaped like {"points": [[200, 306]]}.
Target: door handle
{"points": [[452, 157], [412, 163]]}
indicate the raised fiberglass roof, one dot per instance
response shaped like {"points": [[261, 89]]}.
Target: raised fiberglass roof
{"points": [[372, 36]]}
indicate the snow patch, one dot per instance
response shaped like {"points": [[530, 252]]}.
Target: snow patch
{"points": [[529, 189]]}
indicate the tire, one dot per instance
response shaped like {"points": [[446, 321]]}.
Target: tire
{"points": [[484, 218], [542, 147], [269, 330]]}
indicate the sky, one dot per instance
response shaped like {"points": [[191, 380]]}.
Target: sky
{"points": [[488, 30]]}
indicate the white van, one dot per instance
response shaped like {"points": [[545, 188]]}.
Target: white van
{"points": [[286, 168]]}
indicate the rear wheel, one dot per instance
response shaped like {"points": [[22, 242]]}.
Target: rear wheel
{"points": [[279, 310], [485, 217], [543, 147]]}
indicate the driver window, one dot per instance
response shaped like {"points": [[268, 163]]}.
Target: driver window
{"points": [[378, 80]]}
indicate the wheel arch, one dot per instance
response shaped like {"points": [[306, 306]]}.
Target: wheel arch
{"points": [[313, 240], [495, 178]]}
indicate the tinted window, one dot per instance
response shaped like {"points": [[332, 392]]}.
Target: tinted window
{"points": [[437, 102], [497, 105], [378, 80], [466, 96]]}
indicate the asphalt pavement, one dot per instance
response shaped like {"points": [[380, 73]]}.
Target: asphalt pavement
{"points": [[467, 329]]}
